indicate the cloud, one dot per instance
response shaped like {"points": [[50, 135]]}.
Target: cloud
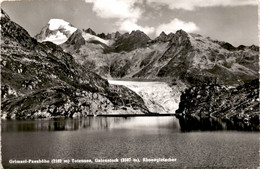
{"points": [[175, 25], [126, 11], [130, 25], [121, 9], [1, 1], [192, 4]]}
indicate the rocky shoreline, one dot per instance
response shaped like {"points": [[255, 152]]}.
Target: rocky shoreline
{"points": [[238, 105]]}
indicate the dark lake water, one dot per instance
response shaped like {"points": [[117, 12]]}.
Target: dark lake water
{"points": [[199, 145]]}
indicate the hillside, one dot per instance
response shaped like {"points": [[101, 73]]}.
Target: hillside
{"points": [[40, 80]]}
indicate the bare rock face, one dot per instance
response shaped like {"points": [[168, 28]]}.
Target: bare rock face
{"points": [[88, 50], [195, 59], [127, 42], [240, 104], [163, 37], [109, 36], [126, 99], [76, 39], [40, 80], [90, 31]]}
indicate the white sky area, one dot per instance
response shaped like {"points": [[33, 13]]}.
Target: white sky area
{"points": [[193, 4], [130, 25], [175, 25], [128, 12]]}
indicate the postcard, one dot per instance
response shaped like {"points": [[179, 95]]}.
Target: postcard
{"points": [[129, 84]]}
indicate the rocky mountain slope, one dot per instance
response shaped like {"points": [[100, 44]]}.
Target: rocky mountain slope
{"points": [[128, 42], [82, 45], [240, 104], [102, 54], [190, 58], [40, 80]]}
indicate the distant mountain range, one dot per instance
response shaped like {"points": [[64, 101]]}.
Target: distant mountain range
{"points": [[190, 58]]}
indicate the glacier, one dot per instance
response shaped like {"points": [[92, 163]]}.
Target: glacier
{"points": [[159, 97]]}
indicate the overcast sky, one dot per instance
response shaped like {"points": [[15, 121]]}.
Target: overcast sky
{"points": [[234, 21]]}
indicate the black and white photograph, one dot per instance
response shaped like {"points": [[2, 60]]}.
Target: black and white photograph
{"points": [[127, 84]]}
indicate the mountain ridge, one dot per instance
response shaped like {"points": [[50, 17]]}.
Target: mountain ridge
{"points": [[190, 58]]}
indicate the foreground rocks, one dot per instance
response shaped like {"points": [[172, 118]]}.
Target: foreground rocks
{"points": [[240, 104], [39, 80]]}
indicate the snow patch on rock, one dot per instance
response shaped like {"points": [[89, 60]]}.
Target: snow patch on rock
{"points": [[89, 37]]}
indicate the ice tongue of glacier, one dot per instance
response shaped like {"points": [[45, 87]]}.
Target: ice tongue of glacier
{"points": [[158, 96]]}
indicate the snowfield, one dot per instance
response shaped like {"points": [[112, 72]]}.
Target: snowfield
{"points": [[60, 27], [58, 38], [158, 96]]}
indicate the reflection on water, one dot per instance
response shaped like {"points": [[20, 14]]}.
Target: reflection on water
{"points": [[190, 123], [59, 124], [183, 124], [131, 137], [90, 123]]}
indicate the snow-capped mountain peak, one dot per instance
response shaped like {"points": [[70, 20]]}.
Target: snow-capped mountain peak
{"points": [[57, 31]]}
